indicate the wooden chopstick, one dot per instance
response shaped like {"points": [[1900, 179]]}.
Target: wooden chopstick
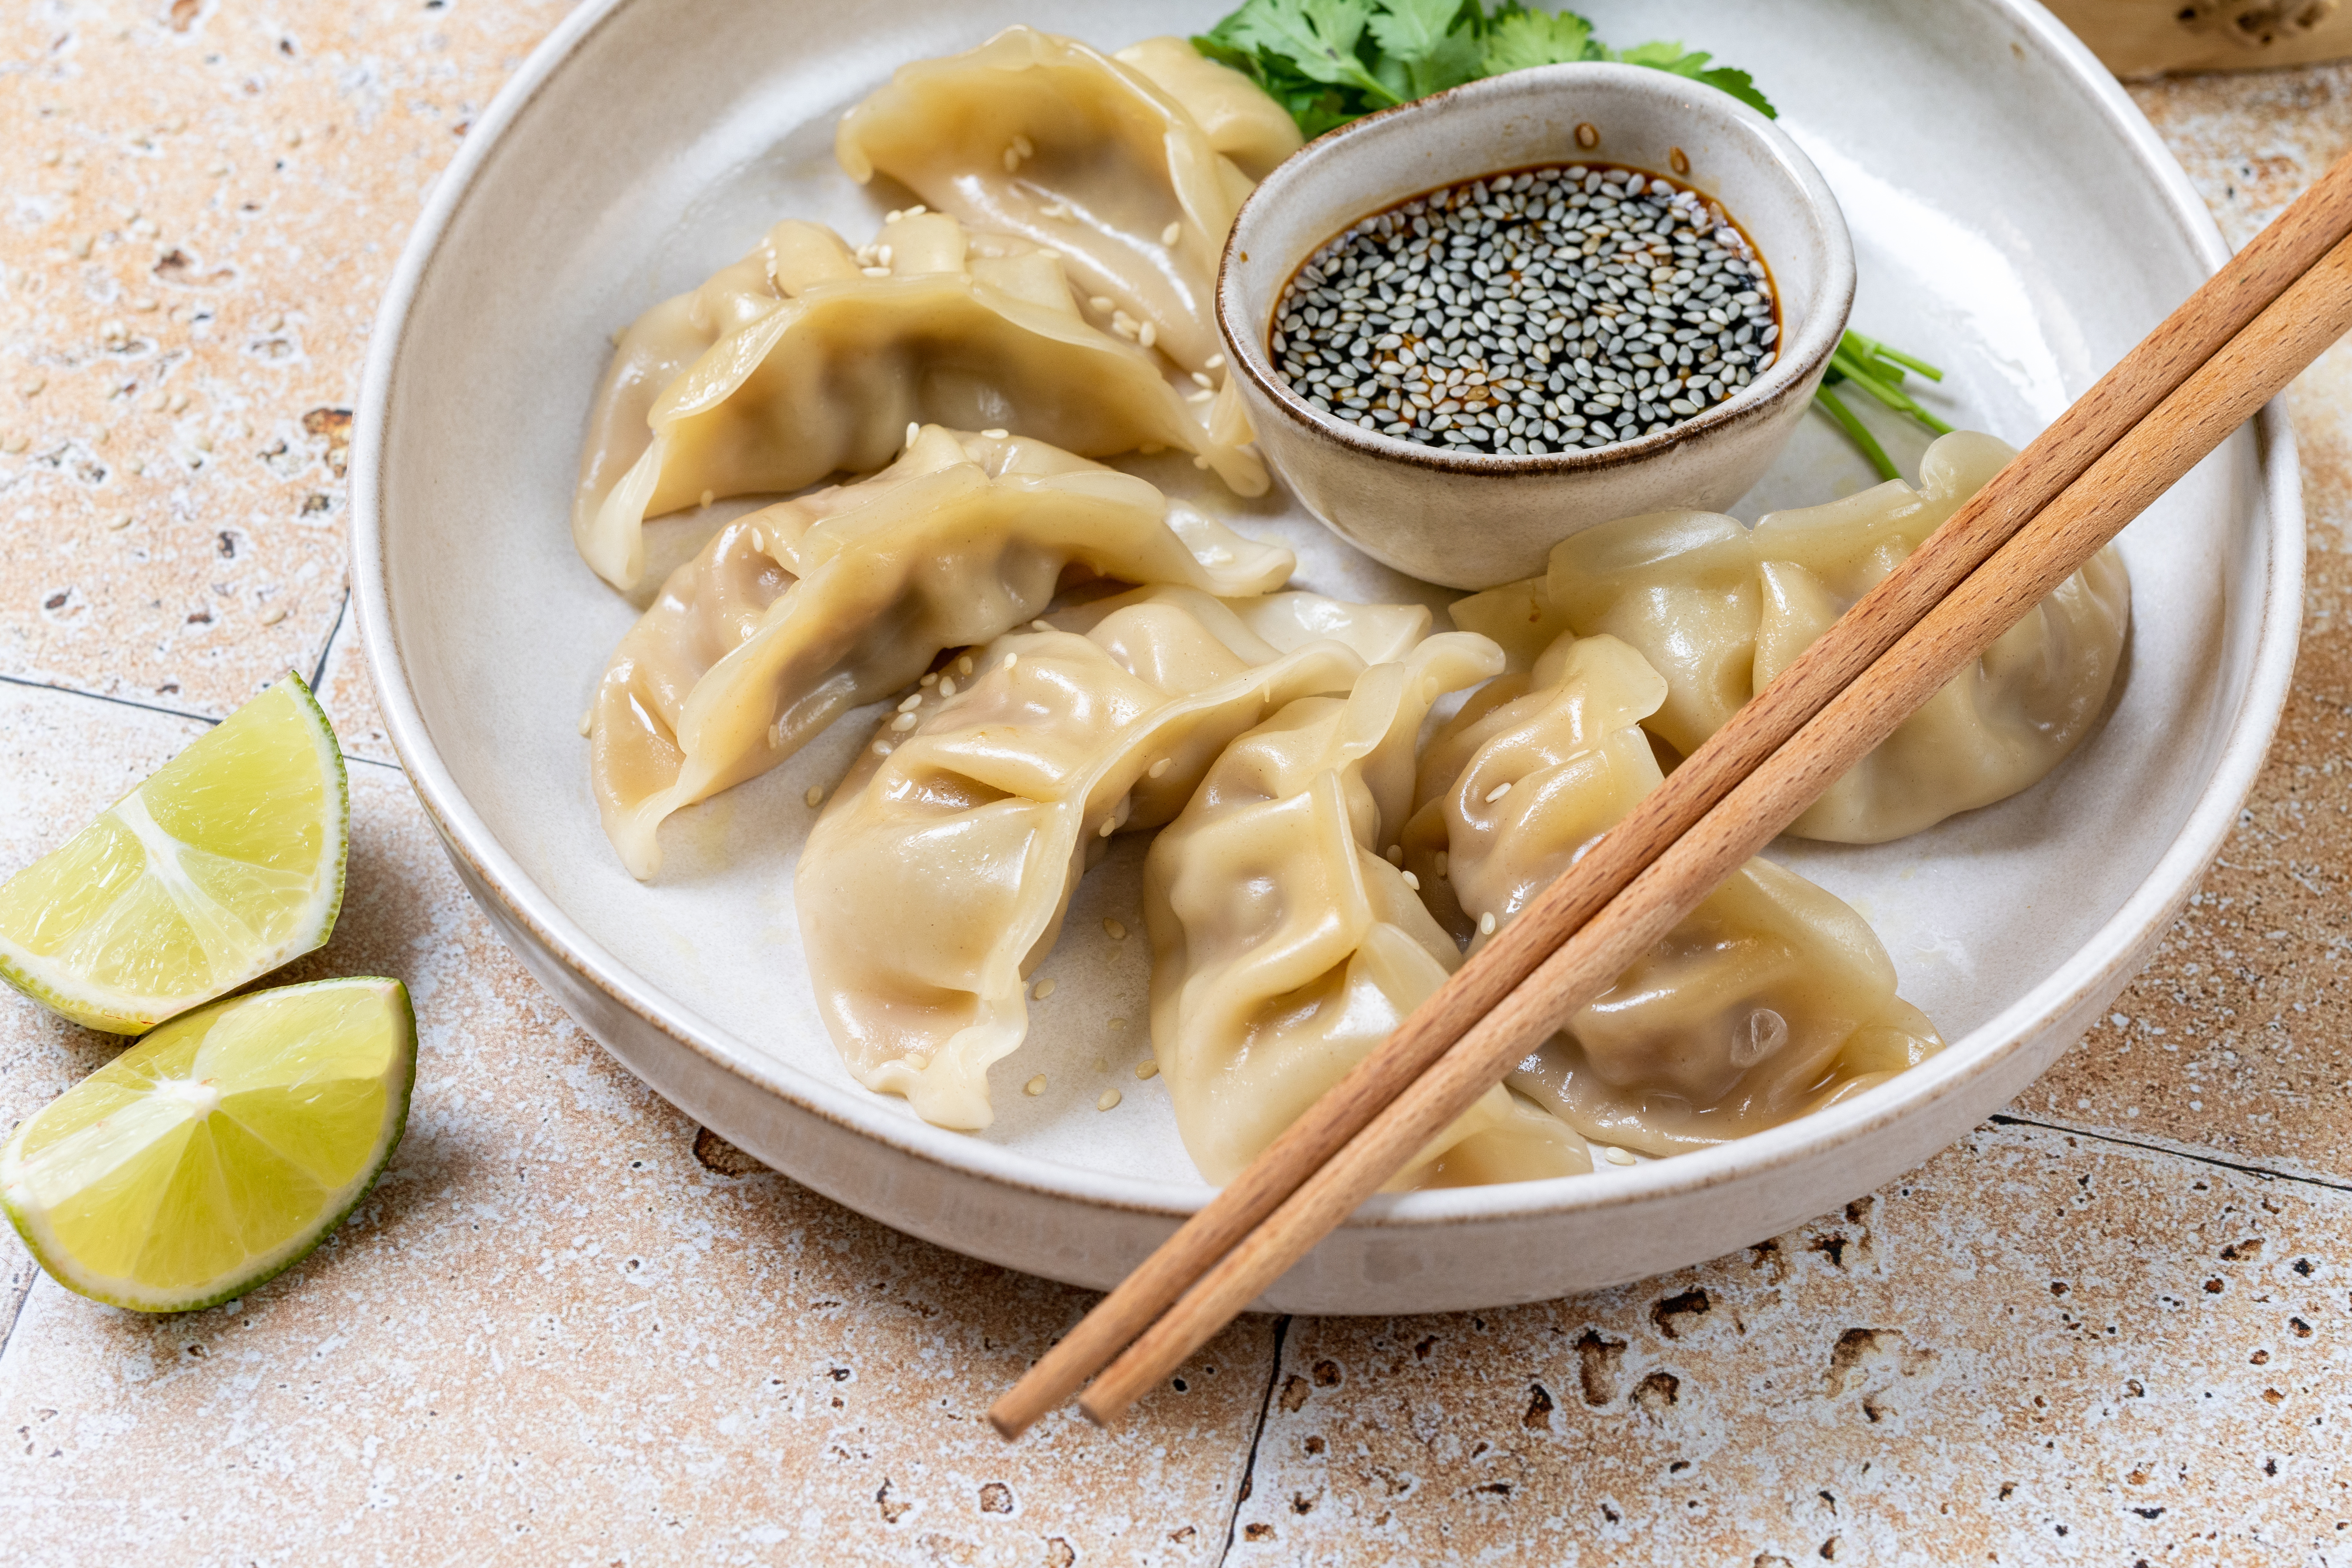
{"points": [[2225, 391], [2186, 338]]}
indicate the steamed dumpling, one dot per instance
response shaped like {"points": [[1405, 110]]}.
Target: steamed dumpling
{"points": [[936, 879], [929, 324], [1042, 137], [793, 615], [660, 345], [1720, 609], [1238, 117], [1770, 999], [1286, 946]]}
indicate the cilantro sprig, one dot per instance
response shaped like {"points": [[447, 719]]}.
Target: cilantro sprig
{"points": [[1332, 61], [1877, 369]]}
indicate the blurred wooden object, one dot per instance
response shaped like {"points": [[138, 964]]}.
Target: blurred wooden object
{"points": [[2150, 37]]}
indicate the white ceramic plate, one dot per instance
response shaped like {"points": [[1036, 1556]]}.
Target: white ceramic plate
{"points": [[2015, 220]]}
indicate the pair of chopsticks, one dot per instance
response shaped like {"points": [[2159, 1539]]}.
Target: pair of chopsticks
{"points": [[2213, 362]]}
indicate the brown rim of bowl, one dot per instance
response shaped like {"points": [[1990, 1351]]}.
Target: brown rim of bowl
{"points": [[1791, 373]]}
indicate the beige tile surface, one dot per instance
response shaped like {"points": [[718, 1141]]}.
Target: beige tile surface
{"points": [[567, 1327], [204, 202], [2035, 1349]]}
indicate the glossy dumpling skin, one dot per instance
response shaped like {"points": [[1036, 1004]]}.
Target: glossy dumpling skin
{"points": [[936, 879], [1042, 137], [1286, 946], [660, 345], [1720, 609], [928, 325], [1235, 114], [796, 613], [1772, 998]]}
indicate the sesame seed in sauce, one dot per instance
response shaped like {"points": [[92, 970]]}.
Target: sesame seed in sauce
{"points": [[1541, 311]]}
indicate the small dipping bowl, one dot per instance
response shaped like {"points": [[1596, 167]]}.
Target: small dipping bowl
{"points": [[1476, 520]]}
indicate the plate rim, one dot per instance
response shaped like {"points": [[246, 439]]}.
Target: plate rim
{"points": [[2118, 943]]}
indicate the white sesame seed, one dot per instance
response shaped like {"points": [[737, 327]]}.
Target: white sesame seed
{"points": [[1043, 989], [1617, 1156], [1148, 1067], [1498, 792], [903, 723], [1115, 931], [1168, 236], [996, 434], [912, 702], [815, 795], [1157, 768], [1411, 881], [1486, 924], [1108, 1101], [1034, 1087]]}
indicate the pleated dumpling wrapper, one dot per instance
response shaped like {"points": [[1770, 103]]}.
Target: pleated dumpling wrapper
{"points": [[937, 878], [1102, 158], [1719, 609], [1287, 945], [793, 615], [1772, 999], [929, 324]]}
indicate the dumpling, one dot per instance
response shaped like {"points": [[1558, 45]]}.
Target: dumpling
{"points": [[936, 879], [1240, 118], [793, 615], [1772, 999], [1042, 137], [659, 346], [1720, 609], [928, 324], [1286, 946]]}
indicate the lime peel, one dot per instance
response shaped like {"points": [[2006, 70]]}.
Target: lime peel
{"points": [[220, 1150], [225, 864]]}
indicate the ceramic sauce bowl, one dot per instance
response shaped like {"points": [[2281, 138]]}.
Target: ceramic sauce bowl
{"points": [[1474, 520]]}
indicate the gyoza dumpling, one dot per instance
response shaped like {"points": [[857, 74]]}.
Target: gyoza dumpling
{"points": [[659, 346], [1042, 137], [1236, 114], [1720, 609], [1286, 947], [798, 613], [936, 879], [1772, 999], [928, 325]]}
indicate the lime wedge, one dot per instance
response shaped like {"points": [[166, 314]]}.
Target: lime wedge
{"points": [[217, 1151], [225, 864]]}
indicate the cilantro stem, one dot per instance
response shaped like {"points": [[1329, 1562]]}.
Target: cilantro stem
{"points": [[1857, 432], [1846, 364], [1885, 352]]}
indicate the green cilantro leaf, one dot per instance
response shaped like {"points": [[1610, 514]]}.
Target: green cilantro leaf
{"points": [[1420, 37], [1525, 39]]}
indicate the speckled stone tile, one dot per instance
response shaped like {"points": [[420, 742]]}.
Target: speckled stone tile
{"points": [[2037, 1348], [2239, 1035], [563, 1324], [202, 204]]}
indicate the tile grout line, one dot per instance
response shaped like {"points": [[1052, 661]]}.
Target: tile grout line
{"points": [[103, 697], [2002, 1119], [1249, 1465], [318, 671], [16, 1308]]}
